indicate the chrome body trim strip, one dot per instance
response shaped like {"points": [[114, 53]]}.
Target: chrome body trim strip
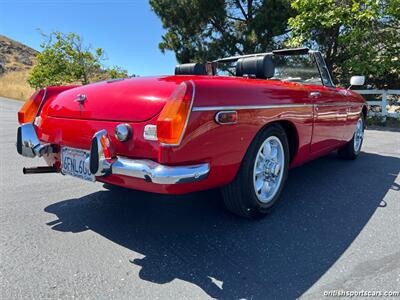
{"points": [[241, 107], [315, 94], [339, 104]]}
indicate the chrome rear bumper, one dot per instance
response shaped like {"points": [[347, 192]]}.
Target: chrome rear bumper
{"points": [[153, 172], [28, 145], [146, 169]]}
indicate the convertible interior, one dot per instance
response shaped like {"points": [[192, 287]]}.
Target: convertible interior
{"points": [[294, 65], [260, 67]]}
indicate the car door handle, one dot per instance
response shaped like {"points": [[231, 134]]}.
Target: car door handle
{"points": [[315, 94]]}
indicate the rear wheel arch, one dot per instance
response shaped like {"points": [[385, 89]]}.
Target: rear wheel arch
{"points": [[364, 113], [240, 195], [352, 149], [291, 134]]}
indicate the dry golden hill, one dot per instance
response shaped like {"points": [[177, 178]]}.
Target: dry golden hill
{"points": [[16, 61]]}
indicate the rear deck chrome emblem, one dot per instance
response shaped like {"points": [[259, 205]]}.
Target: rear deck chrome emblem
{"points": [[80, 98]]}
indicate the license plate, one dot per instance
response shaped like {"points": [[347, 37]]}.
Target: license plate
{"points": [[73, 163]]}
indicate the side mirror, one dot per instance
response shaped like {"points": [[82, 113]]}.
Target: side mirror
{"points": [[357, 80]]}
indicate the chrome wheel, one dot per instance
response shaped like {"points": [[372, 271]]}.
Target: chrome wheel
{"points": [[358, 135], [268, 169]]}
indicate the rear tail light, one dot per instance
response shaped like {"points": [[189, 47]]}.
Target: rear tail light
{"points": [[171, 123], [31, 107]]}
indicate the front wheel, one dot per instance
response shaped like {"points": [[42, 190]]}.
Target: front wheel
{"points": [[262, 175], [353, 148]]}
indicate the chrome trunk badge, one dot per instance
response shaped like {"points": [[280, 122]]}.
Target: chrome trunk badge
{"points": [[80, 98]]}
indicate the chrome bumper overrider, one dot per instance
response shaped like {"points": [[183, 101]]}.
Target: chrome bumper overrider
{"points": [[99, 164], [28, 143]]}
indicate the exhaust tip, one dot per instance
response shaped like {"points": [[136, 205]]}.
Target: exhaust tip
{"points": [[40, 170]]}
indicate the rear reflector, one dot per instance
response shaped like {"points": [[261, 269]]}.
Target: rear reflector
{"points": [[171, 123], [150, 132], [29, 110]]}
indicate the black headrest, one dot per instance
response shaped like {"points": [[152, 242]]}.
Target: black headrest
{"points": [[190, 69], [260, 66]]}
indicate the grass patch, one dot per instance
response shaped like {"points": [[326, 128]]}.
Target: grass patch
{"points": [[13, 85]]}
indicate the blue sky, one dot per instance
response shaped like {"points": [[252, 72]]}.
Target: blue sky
{"points": [[128, 31]]}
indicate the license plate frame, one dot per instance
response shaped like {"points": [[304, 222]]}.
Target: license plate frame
{"points": [[73, 163]]}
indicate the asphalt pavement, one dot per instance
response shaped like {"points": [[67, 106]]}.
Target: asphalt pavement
{"points": [[337, 228]]}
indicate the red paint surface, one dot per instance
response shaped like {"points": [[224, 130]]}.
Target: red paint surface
{"points": [[132, 100], [138, 101]]}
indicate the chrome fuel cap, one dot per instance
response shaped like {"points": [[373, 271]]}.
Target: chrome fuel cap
{"points": [[123, 132]]}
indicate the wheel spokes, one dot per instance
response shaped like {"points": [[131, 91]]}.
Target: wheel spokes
{"points": [[267, 172], [267, 150], [259, 171], [274, 153], [259, 184], [265, 188], [358, 135]]}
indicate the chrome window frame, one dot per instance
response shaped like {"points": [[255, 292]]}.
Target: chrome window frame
{"points": [[321, 65]]}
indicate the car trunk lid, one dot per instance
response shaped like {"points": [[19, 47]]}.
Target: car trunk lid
{"points": [[131, 100]]}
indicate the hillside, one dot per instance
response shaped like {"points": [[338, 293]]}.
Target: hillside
{"points": [[16, 61]]}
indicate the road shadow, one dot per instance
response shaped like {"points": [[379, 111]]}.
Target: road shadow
{"points": [[325, 205]]}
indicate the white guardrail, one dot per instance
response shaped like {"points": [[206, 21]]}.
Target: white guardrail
{"points": [[383, 103]]}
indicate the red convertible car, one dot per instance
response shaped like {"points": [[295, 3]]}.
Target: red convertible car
{"points": [[239, 123]]}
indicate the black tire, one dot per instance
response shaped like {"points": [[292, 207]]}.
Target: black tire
{"points": [[240, 196], [348, 151]]}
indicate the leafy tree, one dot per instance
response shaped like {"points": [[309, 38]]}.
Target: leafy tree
{"points": [[66, 59], [117, 72], [357, 37], [110, 73], [203, 30]]}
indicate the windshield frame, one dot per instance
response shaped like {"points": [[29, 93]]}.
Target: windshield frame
{"points": [[320, 61], [315, 55]]}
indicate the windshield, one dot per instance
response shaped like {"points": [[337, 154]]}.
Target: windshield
{"points": [[294, 68]]}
